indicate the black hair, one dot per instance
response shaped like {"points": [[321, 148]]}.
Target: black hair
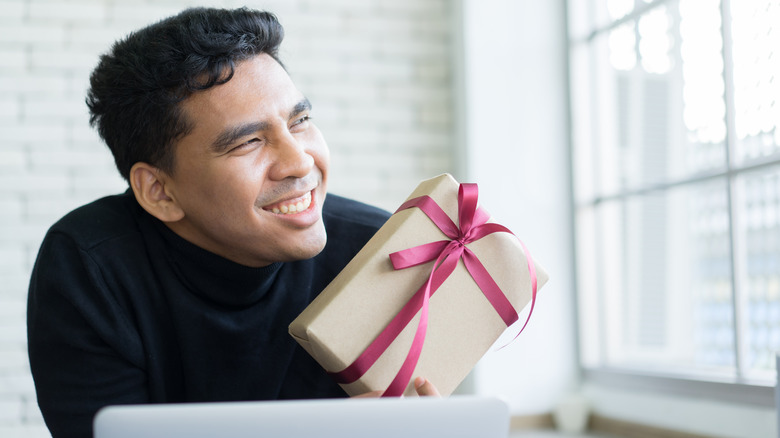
{"points": [[136, 88]]}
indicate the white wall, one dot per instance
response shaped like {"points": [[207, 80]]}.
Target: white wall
{"points": [[514, 59]]}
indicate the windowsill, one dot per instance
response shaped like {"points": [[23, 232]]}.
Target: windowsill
{"points": [[746, 393], [702, 408]]}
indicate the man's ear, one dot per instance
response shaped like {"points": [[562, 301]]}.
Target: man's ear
{"points": [[149, 186]]}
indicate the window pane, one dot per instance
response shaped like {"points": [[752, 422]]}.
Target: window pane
{"points": [[704, 109], [756, 51], [667, 281], [759, 230], [658, 105], [655, 40]]}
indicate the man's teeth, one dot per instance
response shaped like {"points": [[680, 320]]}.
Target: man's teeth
{"points": [[293, 206]]}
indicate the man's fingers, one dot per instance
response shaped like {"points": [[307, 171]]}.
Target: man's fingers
{"points": [[424, 387]]}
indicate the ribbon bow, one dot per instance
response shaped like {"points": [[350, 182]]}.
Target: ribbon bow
{"points": [[472, 226]]}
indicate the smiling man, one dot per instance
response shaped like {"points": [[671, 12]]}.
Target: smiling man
{"points": [[182, 288]]}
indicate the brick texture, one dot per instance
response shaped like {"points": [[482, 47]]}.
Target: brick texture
{"points": [[376, 71]]}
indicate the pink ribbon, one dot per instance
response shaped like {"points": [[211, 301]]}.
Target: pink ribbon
{"points": [[446, 253]]}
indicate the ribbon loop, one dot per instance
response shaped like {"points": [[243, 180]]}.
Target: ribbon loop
{"points": [[418, 254], [467, 206]]}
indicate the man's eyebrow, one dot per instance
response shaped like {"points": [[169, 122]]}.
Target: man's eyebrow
{"points": [[303, 105], [232, 134]]}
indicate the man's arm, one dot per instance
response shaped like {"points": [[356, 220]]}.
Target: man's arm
{"points": [[83, 354]]}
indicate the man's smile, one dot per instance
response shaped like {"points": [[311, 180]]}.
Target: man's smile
{"points": [[291, 206]]}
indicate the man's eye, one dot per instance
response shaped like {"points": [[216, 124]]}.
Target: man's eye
{"points": [[302, 120], [246, 144]]}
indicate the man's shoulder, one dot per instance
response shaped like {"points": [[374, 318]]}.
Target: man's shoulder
{"points": [[103, 219], [341, 210], [349, 224]]}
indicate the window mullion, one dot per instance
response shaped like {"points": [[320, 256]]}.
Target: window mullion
{"points": [[631, 16], [736, 246]]}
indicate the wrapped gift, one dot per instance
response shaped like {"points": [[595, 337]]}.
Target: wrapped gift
{"points": [[427, 296]]}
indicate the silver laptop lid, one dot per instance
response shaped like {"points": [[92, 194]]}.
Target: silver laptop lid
{"points": [[429, 417]]}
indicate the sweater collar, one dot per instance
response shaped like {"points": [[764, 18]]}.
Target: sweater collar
{"points": [[214, 277]]}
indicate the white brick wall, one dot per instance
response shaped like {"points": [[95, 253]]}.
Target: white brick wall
{"points": [[377, 72]]}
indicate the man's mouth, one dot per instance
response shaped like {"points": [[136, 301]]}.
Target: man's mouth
{"points": [[291, 206]]}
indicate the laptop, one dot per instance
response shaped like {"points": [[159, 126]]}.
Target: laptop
{"points": [[429, 417]]}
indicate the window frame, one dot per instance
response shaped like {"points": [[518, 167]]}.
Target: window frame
{"points": [[738, 389]]}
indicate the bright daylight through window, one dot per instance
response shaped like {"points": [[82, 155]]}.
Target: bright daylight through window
{"points": [[676, 149]]}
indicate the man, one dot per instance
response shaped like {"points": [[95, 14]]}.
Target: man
{"points": [[182, 288]]}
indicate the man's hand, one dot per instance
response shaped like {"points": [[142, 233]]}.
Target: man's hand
{"points": [[424, 389]]}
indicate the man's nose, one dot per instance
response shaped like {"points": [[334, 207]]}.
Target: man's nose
{"points": [[292, 158]]}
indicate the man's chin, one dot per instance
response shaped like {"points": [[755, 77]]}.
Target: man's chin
{"points": [[308, 249], [312, 252]]}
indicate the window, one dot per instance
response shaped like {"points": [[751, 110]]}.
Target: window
{"points": [[676, 152]]}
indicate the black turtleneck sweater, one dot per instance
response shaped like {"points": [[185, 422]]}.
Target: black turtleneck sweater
{"points": [[122, 310]]}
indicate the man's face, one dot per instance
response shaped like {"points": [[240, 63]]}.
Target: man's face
{"points": [[251, 176]]}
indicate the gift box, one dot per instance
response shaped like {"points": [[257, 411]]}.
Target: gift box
{"points": [[365, 326]]}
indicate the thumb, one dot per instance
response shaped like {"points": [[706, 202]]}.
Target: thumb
{"points": [[425, 388]]}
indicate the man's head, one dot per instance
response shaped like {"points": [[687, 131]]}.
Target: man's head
{"points": [[213, 136], [136, 88]]}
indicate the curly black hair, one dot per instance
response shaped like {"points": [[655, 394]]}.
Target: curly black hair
{"points": [[136, 88]]}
